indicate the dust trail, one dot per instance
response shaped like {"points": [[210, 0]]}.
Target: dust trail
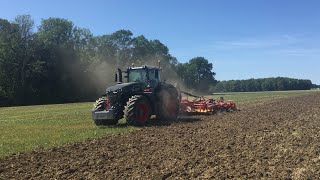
{"points": [[102, 75]]}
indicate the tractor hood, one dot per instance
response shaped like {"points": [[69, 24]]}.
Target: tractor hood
{"points": [[132, 86]]}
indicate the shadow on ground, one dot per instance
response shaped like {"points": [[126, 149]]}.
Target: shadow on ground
{"points": [[156, 122]]}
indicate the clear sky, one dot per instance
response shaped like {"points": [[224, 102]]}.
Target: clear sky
{"points": [[242, 38]]}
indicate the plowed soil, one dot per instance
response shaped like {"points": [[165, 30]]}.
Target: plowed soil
{"points": [[278, 139]]}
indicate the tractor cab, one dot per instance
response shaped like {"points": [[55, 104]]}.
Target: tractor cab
{"points": [[149, 75]]}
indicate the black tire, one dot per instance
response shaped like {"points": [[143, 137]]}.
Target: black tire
{"points": [[137, 111], [100, 105], [169, 105]]}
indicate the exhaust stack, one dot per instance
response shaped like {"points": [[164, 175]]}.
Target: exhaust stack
{"points": [[118, 76]]}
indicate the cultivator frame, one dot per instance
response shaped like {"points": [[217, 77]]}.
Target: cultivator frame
{"points": [[203, 105]]}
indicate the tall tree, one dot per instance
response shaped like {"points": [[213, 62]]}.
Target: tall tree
{"points": [[197, 74], [9, 58], [122, 41], [25, 24], [62, 63]]}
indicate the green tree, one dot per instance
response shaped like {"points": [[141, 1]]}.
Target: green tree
{"points": [[9, 59], [61, 59], [122, 44], [26, 61], [142, 49], [197, 74], [204, 73]]}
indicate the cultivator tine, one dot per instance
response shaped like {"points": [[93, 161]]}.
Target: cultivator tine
{"points": [[203, 105]]}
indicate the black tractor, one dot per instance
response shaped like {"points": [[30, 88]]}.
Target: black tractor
{"points": [[141, 96]]}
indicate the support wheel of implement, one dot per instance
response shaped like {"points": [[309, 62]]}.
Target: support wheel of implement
{"points": [[137, 111], [169, 106]]}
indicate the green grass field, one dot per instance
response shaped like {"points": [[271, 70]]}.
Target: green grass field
{"points": [[31, 127]]}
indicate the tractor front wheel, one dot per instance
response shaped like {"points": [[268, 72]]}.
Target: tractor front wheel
{"points": [[100, 104], [137, 111]]}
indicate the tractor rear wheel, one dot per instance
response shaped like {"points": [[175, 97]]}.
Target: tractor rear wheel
{"points": [[169, 106], [137, 111]]}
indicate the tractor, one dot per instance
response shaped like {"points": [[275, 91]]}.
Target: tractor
{"points": [[136, 100]]}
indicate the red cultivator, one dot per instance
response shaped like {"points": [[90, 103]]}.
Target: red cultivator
{"points": [[203, 105]]}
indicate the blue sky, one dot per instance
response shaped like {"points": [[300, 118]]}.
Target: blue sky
{"points": [[243, 39]]}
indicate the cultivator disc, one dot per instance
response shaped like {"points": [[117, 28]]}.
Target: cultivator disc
{"points": [[203, 105]]}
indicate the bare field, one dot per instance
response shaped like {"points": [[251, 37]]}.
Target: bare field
{"points": [[275, 139]]}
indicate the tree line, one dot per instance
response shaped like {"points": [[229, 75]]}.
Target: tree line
{"points": [[61, 62], [263, 84]]}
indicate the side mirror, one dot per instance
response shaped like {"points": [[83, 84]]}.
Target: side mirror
{"points": [[115, 77]]}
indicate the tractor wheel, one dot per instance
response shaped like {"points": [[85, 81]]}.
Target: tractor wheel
{"points": [[137, 111], [101, 122], [169, 106], [100, 105]]}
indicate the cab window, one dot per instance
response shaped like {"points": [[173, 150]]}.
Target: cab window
{"points": [[154, 77], [137, 75]]}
